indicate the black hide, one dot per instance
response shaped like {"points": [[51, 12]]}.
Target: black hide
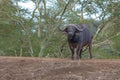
{"points": [[78, 37]]}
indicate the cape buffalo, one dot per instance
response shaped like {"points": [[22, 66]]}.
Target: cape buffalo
{"points": [[78, 37]]}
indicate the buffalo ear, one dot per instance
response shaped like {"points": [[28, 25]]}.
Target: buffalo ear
{"points": [[65, 30]]}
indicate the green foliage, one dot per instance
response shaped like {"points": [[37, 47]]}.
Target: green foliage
{"points": [[100, 53]]}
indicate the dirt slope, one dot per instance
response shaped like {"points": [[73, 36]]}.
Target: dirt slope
{"points": [[22, 68]]}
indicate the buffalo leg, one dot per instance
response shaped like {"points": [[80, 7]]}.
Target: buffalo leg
{"points": [[72, 57], [79, 51], [90, 46], [72, 51], [80, 54]]}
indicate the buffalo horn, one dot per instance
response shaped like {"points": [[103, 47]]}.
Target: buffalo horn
{"points": [[78, 28]]}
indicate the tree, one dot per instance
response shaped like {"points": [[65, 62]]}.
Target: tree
{"points": [[7, 27]]}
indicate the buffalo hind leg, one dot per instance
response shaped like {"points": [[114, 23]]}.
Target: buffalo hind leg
{"points": [[80, 54], [90, 53], [72, 57]]}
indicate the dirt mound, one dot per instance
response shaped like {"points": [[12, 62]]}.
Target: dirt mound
{"points": [[23, 68]]}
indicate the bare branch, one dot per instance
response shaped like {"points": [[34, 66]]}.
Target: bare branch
{"points": [[59, 21]]}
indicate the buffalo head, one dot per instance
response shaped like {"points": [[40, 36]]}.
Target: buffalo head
{"points": [[71, 29]]}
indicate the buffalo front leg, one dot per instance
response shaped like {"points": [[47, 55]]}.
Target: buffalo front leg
{"points": [[72, 56], [79, 52], [72, 51]]}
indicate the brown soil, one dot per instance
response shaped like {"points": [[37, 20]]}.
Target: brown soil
{"points": [[24, 68]]}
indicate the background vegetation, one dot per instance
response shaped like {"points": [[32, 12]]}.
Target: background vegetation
{"points": [[25, 32]]}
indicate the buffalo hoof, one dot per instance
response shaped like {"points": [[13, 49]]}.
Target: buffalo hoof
{"points": [[78, 58], [90, 57]]}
